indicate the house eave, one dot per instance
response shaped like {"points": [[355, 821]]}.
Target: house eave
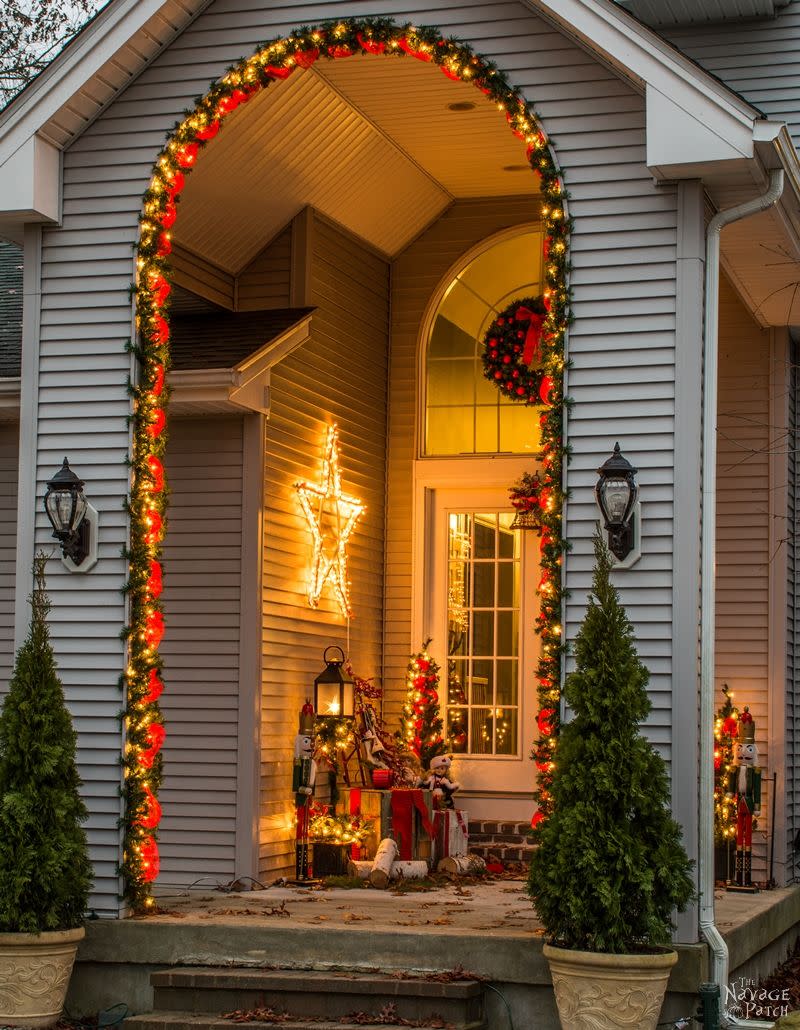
{"points": [[617, 38], [243, 386], [692, 117], [9, 398]]}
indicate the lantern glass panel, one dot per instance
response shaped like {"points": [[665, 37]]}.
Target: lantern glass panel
{"points": [[328, 701], [616, 497], [348, 707]]}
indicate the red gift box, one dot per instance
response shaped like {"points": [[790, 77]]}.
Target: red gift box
{"points": [[382, 778]]}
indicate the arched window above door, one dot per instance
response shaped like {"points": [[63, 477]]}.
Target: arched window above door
{"points": [[464, 414]]}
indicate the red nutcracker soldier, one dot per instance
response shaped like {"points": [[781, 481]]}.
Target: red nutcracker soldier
{"points": [[744, 783], [304, 773]]}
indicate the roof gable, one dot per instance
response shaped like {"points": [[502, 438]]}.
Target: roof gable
{"points": [[126, 36]]}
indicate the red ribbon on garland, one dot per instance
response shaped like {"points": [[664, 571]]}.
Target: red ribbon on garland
{"points": [[533, 337]]}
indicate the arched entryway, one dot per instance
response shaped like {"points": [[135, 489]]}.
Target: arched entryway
{"points": [[350, 159]]}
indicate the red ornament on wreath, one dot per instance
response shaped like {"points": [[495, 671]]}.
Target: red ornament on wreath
{"points": [[512, 350]]}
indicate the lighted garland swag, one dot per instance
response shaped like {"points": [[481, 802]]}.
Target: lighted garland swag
{"points": [[147, 505]]}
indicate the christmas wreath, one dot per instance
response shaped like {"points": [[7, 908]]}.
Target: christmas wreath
{"points": [[512, 351]]}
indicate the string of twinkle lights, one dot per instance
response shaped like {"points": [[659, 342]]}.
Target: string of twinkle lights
{"points": [[272, 62]]}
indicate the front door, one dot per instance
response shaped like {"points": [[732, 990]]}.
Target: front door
{"points": [[482, 612]]}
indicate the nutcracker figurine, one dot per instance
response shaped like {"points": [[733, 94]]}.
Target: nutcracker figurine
{"points": [[744, 783], [304, 773]]}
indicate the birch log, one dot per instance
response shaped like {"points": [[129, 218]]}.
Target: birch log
{"points": [[358, 868], [382, 866], [465, 865], [409, 869]]}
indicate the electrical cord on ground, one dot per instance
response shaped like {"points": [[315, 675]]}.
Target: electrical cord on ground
{"points": [[505, 1002], [112, 1016]]}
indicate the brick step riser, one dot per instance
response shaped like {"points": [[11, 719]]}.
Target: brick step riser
{"points": [[504, 852], [174, 1021], [302, 1003], [492, 828]]}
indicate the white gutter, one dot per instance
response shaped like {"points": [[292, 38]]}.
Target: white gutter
{"points": [[719, 949]]}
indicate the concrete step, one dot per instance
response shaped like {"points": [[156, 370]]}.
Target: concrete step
{"points": [[199, 1021], [304, 993]]}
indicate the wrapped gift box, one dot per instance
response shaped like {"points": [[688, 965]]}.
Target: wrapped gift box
{"points": [[406, 815], [452, 834]]}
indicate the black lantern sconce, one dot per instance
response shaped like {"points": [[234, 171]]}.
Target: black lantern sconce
{"points": [[616, 493], [333, 689], [72, 518]]}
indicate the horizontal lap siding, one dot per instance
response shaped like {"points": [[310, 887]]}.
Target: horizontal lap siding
{"points": [[83, 413], [338, 376], [416, 275], [265, 281], [743, 506], [625, 235], [759, 59], [622, 342], [9, 461], [202, 599]]}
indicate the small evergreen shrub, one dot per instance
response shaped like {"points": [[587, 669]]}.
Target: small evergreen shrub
{"points": [[45, 873], [610, 866]]}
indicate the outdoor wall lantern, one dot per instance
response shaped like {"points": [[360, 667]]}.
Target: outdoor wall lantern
{"points": [[73, 519], [333, 689], [616, 493]]}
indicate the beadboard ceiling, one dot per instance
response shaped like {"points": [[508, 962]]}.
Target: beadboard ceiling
{"points": [[373, 143]]}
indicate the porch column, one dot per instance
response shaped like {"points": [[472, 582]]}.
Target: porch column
{"points": [[686, 525]]}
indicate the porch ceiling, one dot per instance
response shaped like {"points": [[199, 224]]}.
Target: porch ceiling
{"points": [[371, 142], [761, 254], [763, 261]]}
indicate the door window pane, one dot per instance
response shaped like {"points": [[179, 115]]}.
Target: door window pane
{"points": [[483, 612]]}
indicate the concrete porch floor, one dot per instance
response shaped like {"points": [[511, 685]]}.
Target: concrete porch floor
{"points": [[487, 928]]}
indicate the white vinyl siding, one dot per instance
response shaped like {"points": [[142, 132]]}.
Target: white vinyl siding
{"points": [[743, 506], [201, 277], [338, 376], [759, 59], [266, 280], [622, 346], [9, 459], [202, 601], [83, 409]]}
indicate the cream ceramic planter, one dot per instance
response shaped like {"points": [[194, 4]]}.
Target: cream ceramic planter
{"points": [[34, 975], [608, 992]]}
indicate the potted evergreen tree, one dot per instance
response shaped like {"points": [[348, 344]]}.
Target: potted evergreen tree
{"points": [[45, 873], [610, 865]]}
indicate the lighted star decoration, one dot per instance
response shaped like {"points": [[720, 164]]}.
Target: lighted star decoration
{"points": [[332, 516]]}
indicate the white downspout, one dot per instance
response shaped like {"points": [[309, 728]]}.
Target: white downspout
{"points": [[719, 949]]}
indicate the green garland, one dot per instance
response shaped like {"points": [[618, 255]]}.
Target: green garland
{"points": [[273, 62]]}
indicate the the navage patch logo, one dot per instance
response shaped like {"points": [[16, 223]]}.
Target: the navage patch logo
{"points": [[746, 1000]]}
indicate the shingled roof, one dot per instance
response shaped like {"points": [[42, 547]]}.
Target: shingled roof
{"points": [[201, 341], [10, 309]]}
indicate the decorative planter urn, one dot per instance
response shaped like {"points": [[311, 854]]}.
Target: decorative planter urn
{"points": [[595, 991], [34, 975]]}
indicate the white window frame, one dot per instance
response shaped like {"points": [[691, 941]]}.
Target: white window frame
{"points": [[440, 485]]}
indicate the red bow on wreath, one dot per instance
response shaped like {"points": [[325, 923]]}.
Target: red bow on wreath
{"points": [[534, 335]]}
